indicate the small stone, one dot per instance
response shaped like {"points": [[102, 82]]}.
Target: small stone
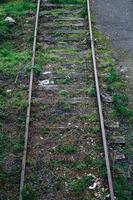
{"points": [[10, 20]]}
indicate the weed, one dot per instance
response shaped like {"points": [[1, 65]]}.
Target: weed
{"points": [[91, 91], [64, 106], [18, 100], [90, 161], [14, 9], [67, 149], [93, 129], [79, 186], [112, 77], [120, 103], [90, 118], [46, 130], [28, 193], [37, 69], [120, 184], [11, 59], [84, 8], [64, 93], [65, 1]]}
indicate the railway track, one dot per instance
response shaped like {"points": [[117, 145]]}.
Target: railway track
{"points": [[63, 150]]}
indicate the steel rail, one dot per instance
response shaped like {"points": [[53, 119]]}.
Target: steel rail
{"points": [[100, 105], [22, 179]]}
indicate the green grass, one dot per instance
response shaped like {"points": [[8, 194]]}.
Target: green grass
{"points": [[64, 93], [67, 149], [116, 87], [91, 91], [120, 184], [28, 193], [14, 9], [120, 104], [12, 59], [79, 186], [65, 1], [15, 55]]}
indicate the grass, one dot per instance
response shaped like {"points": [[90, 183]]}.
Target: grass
{"points": [[45, 130], [28, 193], [15, 55], [80, 185], [65, 1], [116, 87], [91, 91], [86, 163], [120, 185], [12, 59], [15, 9], [66, 107], [67, 149], [64, 93]]}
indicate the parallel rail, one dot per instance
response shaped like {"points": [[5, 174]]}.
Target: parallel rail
{"points": [[101, 118], [100, 106], [22, 179]]}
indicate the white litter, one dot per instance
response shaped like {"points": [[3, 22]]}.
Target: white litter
{"points": [[9, 20], [44, 82], [45, 73], [93, 186], [8, 90]]}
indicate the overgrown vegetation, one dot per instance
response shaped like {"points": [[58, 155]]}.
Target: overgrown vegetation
{"points": [[14, 9], [66, 1], [15, 56], [114, 85], [80, 185]]}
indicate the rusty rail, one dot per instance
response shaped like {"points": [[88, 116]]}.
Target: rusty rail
{"points": [[22, 179], [99, 102]]}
